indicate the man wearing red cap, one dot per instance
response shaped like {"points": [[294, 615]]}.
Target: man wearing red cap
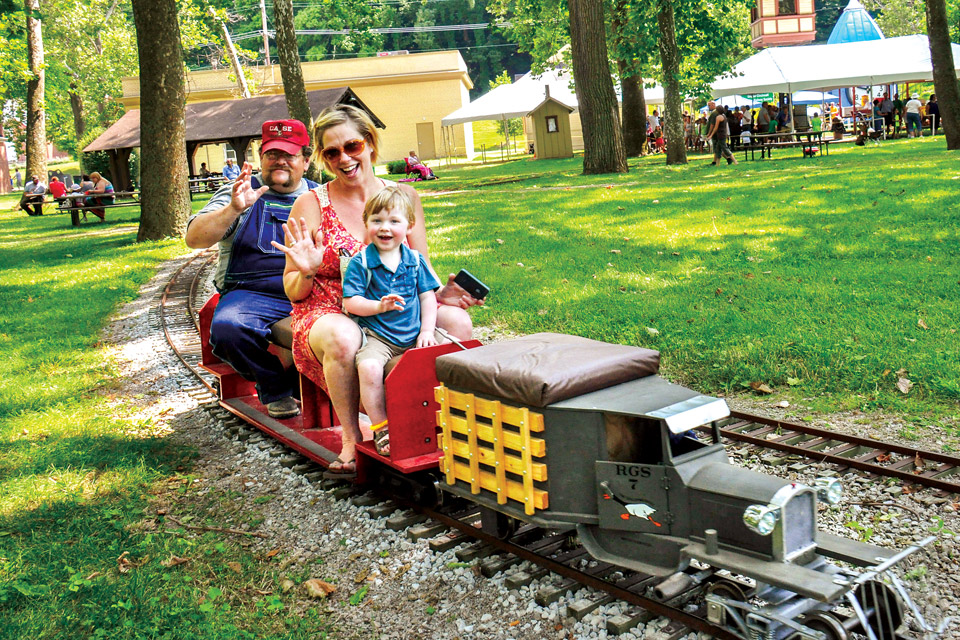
{"points": [[244, 217]]}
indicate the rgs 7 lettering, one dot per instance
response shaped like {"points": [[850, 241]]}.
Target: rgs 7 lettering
{"points": [[633, 471]]}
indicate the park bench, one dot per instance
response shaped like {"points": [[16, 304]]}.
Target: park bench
{"points": [[810, 143], [66, 203]]}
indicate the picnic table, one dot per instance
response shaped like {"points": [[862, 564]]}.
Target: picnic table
{"points": [[73, 203], [209, 184], [810, 142]]}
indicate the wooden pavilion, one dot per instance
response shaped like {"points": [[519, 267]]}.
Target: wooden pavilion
{"points": [[235, 122]]}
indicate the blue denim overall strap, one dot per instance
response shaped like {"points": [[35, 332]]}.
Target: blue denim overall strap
{"points": [[255, 264]]}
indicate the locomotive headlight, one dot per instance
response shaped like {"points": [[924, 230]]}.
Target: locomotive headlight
{"points": [[828, 489], [761, 518]]}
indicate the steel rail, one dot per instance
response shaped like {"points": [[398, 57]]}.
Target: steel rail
{"points": [[835, 444], [168, 293], [586, 579]]}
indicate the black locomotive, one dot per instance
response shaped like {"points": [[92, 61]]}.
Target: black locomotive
{"points": [[565, 432]]}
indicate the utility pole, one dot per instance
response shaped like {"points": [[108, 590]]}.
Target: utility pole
{"points": [[232, 53], [266, 36]]}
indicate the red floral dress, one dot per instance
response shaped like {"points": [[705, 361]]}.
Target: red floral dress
{"points": [[327, 294]]}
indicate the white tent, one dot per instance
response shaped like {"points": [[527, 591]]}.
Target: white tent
{"points": [[526, 94], [827, 66], [516, 100]]}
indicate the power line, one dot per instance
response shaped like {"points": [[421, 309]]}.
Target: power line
{"points": [[382, 30]]}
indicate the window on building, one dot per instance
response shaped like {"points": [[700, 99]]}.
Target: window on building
{"points": [[229, 153], [787, 7], [552, 124]]}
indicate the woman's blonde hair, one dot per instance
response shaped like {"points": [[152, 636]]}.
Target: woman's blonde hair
{"points": [[95, 176], [389, 198], [346, 114]]}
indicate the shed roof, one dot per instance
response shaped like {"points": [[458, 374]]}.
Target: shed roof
{"points": [[223, 120]]}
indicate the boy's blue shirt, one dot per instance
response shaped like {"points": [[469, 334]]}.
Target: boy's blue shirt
{"points": [[409, 281]]}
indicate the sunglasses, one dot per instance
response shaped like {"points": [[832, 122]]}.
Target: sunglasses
{"points": [[352, 148]]}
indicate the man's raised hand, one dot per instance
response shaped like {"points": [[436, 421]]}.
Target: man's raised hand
{"points": [[244, 195]]}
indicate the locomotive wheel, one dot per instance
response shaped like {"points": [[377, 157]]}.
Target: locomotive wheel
{"points": [[728, 590], [883, 608], [826, 623]]}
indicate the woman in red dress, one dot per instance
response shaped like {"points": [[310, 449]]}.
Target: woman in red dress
{"points": [[324, 224]]}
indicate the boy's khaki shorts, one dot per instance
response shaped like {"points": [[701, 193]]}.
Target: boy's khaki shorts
{"points": [[376, 348]]}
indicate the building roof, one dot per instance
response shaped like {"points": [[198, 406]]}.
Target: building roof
{"points": [[855, 25], [226, 120]]}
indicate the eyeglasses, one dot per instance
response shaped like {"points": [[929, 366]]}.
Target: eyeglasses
{"points": [[352, 148], [275, 155]]}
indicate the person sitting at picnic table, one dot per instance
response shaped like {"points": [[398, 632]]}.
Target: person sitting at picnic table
{"points": [[57, 188], [32, 199], [102, 193], [230, 170]]}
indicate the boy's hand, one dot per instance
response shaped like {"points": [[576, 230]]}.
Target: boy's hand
{"points": [[391, 302], [426, 339]]}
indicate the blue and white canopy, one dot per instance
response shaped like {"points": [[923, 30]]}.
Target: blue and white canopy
{"points": [[855, 25]]}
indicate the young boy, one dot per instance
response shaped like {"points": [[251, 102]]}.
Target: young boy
{"points": [[390, 289]]}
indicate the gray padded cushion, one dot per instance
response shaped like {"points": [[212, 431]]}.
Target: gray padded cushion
{"points": [[281, 333], [543, 368]]}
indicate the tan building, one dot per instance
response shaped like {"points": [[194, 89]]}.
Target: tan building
{"points": [[410, 93]]}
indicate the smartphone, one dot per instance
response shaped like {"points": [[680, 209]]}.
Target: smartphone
{"points": [[471, 285]]}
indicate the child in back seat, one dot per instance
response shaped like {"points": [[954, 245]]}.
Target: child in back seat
{"points": [[391, 290]]}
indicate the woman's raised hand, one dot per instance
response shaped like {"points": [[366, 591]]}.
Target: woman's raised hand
{"points": [[456, 296], [305, 252], [244, 195]]}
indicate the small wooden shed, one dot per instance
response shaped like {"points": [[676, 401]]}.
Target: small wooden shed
{"points": [[551, 129]]}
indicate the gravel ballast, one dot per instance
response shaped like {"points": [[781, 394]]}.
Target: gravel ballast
{"points": [[415, 593]]}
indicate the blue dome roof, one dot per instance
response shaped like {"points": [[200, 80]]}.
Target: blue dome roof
{"points": [[855, 25]]}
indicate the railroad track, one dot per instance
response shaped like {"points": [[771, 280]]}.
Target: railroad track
{"points": [[555, 558]]}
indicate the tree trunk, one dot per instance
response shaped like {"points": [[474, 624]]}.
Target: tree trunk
{"points": [[36, 117], [944, 74], [603, 150], [634, 111], [672, 99], [76, 106], [288, 55], [164, 188]]}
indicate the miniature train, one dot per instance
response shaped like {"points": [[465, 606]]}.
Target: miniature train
{"points": [[565, 432]]}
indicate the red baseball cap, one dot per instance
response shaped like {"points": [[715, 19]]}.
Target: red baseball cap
{"points": [[286, 135]]}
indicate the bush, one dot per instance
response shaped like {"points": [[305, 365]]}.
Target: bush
{"points": [[397, 166]]}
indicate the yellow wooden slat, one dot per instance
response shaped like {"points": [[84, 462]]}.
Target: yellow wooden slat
{"points": [[515, 490], [510, 440], [499, 459], [487, 408], [488, 457], [474, 453], [443, 421], [527, 462]]}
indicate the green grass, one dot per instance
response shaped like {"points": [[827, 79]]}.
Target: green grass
{"points": [[811, 276], [82, 478]]}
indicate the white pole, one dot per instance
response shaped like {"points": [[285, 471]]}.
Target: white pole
{"points": [[266, 38]]}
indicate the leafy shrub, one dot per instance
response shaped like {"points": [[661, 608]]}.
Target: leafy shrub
{"points": [[397, 166]]}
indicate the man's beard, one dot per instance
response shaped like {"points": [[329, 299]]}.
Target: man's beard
{"points": [[270, 182]]}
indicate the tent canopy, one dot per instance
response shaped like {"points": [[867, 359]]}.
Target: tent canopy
{"points": [[516, 100], [525, 95], [226, 120], [828, 66]]}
